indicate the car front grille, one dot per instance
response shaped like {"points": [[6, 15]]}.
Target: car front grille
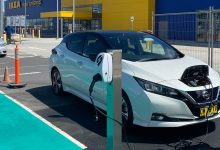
{"points": [[198, 96]]}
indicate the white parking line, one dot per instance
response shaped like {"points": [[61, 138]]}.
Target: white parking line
{"points": [[47, 122], [27, 67], [37, 48], [22, 56], [22, 74]]}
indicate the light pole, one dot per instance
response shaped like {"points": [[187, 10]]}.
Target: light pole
{"points": [[1, 17], [57, 19], [73, 16], [25, 19]]}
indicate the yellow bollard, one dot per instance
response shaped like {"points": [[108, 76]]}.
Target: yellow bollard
{"points": [[39, 34], [4, 37], [32, 33], [22, 32]]}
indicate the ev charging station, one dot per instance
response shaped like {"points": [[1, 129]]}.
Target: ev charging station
{"points": [[114, 103], [109, 71]]}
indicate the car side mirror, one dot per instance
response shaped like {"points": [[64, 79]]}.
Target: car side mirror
{"points": [[104, 63]]}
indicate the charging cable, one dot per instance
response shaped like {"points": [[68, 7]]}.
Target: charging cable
{"points": [[97, 78], [186, 143]]}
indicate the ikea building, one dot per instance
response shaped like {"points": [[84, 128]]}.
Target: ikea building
{"points": [[95, 14]]}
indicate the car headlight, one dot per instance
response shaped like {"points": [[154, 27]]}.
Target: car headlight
{"points": [[160, 89], [2, 45]]}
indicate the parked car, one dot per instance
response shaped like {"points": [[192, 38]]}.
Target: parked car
{"points": [[161, 87], [3, 48]]}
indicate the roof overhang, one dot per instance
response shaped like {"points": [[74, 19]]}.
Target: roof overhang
{"points": [[67, 14]]}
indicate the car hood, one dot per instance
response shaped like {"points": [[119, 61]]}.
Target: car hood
{"points": [[162, 70]]}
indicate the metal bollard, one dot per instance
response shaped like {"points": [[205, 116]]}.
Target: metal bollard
{"points": [[39, 34], [4, 37], [32, 33], [22, 32]]}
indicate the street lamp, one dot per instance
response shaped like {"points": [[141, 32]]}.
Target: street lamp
{"points": [[73, 16], [57, 19], [1, 17], [25, 16]]}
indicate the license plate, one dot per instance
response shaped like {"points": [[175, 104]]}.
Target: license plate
{"points": [[208, 111]]}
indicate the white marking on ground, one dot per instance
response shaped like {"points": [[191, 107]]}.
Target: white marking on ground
{"points": [[27, 67], [22, 56], [22, 74], [47, 122], [37, 48]]}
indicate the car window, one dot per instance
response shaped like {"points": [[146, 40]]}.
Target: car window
{"points": [[94, 45], [151, 46], [141, 47], [75, 43]]}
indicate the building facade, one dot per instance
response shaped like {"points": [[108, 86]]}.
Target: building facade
{"points": [[88, 14], [114, 15]]}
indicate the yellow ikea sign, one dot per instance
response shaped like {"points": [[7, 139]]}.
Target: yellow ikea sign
{"points": [[19, 4], [15, 4]]}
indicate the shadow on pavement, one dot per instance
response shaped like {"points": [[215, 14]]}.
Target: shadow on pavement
{"points": [[81, 112], [71, 107], [168, 135]]}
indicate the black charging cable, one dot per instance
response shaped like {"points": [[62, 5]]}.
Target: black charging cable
{"points": [[209, 109], [186, 143], [97, 78]]}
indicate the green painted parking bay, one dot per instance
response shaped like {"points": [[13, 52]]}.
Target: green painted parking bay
{"points": [[22, 129]]}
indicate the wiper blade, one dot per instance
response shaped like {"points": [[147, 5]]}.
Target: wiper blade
{"points": [[152, 59]]}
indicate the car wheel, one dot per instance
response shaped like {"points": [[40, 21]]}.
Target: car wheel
{"points": [[57, 82], [127, 115]]}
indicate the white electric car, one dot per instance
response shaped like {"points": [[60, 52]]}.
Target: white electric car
{"points": [[161, 87], [3, 48]]}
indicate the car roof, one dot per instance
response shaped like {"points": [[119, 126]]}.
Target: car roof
{"points": [[109, 32]]}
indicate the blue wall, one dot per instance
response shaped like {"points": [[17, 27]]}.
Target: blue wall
{"points": [[173, 6], [181, 27], [34, 11]]}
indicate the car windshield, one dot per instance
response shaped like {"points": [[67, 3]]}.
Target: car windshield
{"points": [[141, 47]]}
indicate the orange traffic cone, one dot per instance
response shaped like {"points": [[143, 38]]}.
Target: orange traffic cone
{"points": [[6, 76]]}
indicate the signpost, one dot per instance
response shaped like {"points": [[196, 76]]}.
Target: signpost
{"points": [[132, 22], [74, 15], [57, 19], [1, 17]]}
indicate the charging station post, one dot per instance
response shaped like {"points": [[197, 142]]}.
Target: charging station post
{"points": [[114, 103]]}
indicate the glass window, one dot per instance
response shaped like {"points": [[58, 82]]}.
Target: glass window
{"points": [[94, 45], [75, 43], [141, 47]]}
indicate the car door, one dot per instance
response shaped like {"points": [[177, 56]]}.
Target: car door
{"points": [[73, 62], [94, 44]]}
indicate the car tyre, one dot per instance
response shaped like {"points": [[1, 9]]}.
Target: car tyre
{"points": [[127, 114], [57, 82]]}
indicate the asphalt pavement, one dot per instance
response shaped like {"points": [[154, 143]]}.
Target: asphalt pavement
{"points": [[76, 117]]}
